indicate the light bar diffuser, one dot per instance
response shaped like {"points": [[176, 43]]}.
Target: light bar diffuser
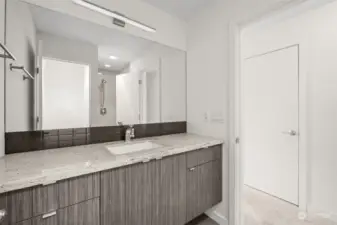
{"points": [[107, 12]]}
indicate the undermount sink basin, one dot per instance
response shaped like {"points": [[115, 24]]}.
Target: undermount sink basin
{"points": [[129, 148]]}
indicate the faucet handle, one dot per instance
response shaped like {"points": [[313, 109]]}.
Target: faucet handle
{"points": [[132, 131]]}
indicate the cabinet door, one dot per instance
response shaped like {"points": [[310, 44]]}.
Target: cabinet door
{"points": [[78, 189], [170, 191], [140, 180], [19, 205], [113, 197], [192, 191], [85, 213], [45, 199], [204, 188], [217, 182]]}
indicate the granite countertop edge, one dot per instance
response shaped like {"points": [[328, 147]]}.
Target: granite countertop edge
{"points": [[12, 180]]}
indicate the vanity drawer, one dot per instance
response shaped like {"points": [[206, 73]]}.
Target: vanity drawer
{"points": [[41, 220], [78, 189], [18, 206], [25, 204], [203, 156], [84, 213], [45, 199]]}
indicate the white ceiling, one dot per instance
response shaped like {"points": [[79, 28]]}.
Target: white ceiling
{"points": [[183, 9], [108, 41]]}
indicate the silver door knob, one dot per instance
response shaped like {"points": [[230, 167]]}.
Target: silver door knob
{"points": [[3, 214], [290, 132]]}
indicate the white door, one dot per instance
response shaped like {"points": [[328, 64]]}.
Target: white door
{"points": [[65, 94], [270, 123]]}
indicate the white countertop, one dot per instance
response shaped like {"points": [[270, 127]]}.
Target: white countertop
{"points": [[24, 170]]}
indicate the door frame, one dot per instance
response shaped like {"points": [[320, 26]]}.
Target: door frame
{"points": [[235, 123]]}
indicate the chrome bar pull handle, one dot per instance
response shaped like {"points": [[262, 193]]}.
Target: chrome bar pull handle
{"points": [[3, 214], [8, 54], [290, 132], [28, 75], [45, 216]]}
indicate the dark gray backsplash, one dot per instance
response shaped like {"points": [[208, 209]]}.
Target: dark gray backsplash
{"points": [[18, 142]]}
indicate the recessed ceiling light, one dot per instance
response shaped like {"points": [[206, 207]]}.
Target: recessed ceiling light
{"points": [[107, 65], [113, 57], [100, 73]]}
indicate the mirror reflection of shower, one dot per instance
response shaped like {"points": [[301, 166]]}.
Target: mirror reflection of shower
{"points": [[103, 109]]}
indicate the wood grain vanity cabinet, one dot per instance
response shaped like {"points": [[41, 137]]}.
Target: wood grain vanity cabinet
{"points": [[168, 191], [113, 197], [22, 205], [140, 184], [54, 203], [18, 205], [156, 192], [79, 189], [39, 220], [145, 193], [45, 199], [204, 183], [84, 213]]}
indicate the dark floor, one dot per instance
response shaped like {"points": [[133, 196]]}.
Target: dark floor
{"points": [[202, 220], [207, 222]]}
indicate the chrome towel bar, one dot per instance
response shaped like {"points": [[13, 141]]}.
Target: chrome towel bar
{"points": [[28, 75], [8, 54]]}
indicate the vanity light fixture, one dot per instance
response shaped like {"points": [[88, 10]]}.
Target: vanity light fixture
{"points": [[113, 57], [107, 12], [107, 65]]}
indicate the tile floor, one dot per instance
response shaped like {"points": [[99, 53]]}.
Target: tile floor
{"points": [[262, 209]]}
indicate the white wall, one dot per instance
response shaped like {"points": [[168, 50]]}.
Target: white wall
{"points": [[173, 85], [2, 79], [21, 40], [170, 65], [210, 78], [165, 23], [110, 97], [316, 33]]}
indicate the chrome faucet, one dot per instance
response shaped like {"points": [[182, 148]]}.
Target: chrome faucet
{"points": [[129, 133]]}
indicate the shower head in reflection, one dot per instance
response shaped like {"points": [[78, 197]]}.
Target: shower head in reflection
{"points": [[103, 110]]}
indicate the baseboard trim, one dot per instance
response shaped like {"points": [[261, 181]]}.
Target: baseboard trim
{"points": [[218, 217]]}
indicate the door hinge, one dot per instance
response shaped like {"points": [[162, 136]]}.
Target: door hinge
{"points": [[37, 70], [37, 119], [140, 82], [237, 140]]}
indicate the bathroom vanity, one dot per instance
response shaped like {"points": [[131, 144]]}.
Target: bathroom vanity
{"points": [[77, 87], [172, 184]]}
